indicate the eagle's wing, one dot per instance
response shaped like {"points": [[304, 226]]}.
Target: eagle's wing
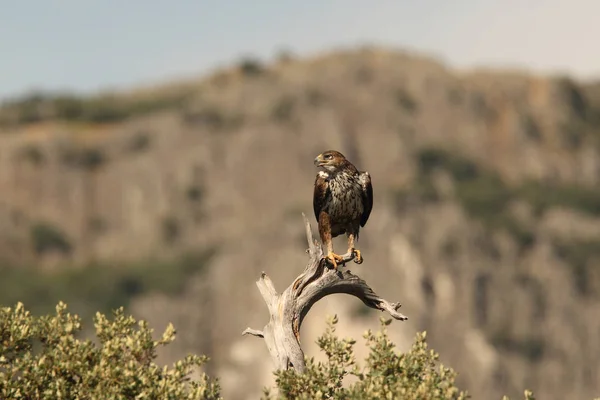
{"points": [[321, 192], [367, 197]]}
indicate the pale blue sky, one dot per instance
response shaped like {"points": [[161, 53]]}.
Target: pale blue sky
{"points": [[88, 45]]}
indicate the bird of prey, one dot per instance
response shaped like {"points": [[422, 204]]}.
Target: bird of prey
{"points": [[342, 201]]}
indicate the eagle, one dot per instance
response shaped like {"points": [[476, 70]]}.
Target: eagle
{"points": [[342, 202]]}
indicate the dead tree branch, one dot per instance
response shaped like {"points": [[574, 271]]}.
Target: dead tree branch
{"points": [[288, 309]]}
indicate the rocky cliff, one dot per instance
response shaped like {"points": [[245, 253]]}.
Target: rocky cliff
{"points": [[486, 223]]}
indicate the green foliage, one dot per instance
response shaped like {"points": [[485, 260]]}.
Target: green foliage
{"points": [[386, 374], [98, 286], [42, 358], [103, 108], [482, 193], [531, 348], [33, 154], [528, 395], [251, 67], [430, 159], [194, 193], [140, 142], [46, 237], [478, 190], [583, 258], [406, 101], [315, 97], [486, 198], [88, 158], [573, 96], [592, 96], [171, 230], [212, 117], [543, 196]]}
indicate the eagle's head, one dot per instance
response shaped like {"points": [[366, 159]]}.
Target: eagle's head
{"points": [[331, 160]]}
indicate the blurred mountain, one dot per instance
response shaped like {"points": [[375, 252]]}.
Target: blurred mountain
{"points": [[486, 224]]}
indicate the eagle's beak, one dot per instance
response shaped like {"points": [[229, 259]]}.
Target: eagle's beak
{"points": [[318, 160]]}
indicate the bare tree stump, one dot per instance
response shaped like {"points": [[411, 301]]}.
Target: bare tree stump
{"points": [[288, 309]]}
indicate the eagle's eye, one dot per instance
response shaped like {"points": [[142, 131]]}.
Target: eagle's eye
{"points": [[328, 157]]}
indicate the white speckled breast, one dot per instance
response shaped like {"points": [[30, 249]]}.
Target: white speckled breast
{"points": [[345, 203]]}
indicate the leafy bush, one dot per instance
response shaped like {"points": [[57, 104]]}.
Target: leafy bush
{"points": [[485, 197], [583, 257], [543, 196], [406, 101], [88, 158], [212, 117], [171, 230], [251, 67], [33, 154], [315, 97], [140, 142], [573, 96], [481, 192], [102, 108], [386, 374], [45, 237], [97, 287], [41, 358]]}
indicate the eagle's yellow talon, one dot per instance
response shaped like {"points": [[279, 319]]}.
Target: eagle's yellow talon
{"points": [[357, 256], [334, 259]]}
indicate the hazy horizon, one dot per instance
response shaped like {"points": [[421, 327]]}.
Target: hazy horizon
{"points": [[85, 46]]}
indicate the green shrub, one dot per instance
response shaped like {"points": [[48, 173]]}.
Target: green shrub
{"points": [[194, 193], [251, 67], [46, 237], [583, 258], [573, 97], [98, 287], [102, 108], [140, 142], [386, 374], [531, 348], [33, 154], [69, 107], [481, 192], [543, 196], [213, 118], [171, 229], [406, 101], [87, 158], [42, 358], [315, 97], [485, 197], [460, 168]]}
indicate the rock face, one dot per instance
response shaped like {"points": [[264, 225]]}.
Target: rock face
{"points": [[486, 223]]}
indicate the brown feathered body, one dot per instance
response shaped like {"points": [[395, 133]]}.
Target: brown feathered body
{"points": [[343, 198]]}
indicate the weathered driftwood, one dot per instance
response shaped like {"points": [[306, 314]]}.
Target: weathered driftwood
{"points": [[288, 309]]}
